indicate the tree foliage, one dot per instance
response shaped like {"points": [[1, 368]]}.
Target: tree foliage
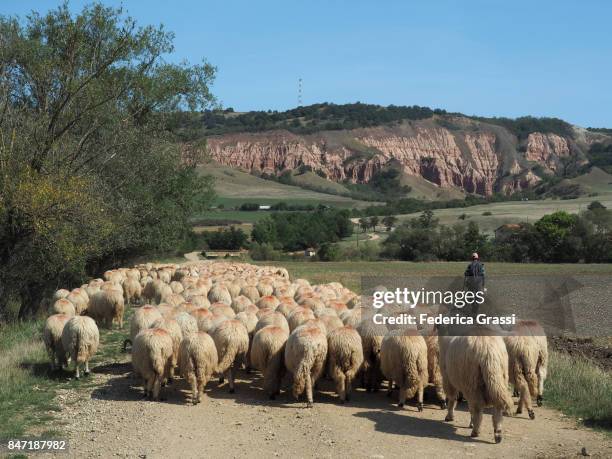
{"points": [[300, 230], [89, 170]]}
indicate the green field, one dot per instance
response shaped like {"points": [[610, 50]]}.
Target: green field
{"points": [[512, 211], [235, 187], [349, 273]]}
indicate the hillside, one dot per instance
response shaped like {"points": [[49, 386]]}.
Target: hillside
{"points": [[235, 187], [437, 153]]}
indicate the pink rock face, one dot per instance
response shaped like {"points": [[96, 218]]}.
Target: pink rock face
{"points": [[546, 149], [469, 159]]}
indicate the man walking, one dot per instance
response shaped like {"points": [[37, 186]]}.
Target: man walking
{"points": [[474, 279]]}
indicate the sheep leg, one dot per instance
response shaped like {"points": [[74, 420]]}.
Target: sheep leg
{"points": [[340, 380], [525, 401], [498, 416], [194, 390], [420, 391], [476, 414], [402, 396], [349, 387], [441, 396], [156, 388], [309, 384], [87, 367], [541, 377], [231, 379], [149, 388], [78, 374], [390, 388], [451, 393]]}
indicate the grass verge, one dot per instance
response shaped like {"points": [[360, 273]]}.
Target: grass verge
{"points": [[28, 387], [580, 389]]}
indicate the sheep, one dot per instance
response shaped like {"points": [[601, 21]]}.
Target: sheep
{"points": [[305, 354], [59, 294], [345, 357], [268, 302], [197, 362], [274, 318], [265, 289], [527, 364], [403, 361], [337, 306], [187, 322], [240, 303], [251, 292], [219, 294], [249, 320], [204, 319], [286, 308], [224, 309], [152, 359], [232, 342], [174, 329], [298, 316], [177, 287], [201, 301], [234, 288], [332, 323], [267, 355], [433, 367], [107, 306], [371, 339], [52, 336], [80, 299], [63, 306], [80, 339], [132, 291], [476, 366], [173, 299]]}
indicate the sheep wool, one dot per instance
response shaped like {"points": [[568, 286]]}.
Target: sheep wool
{"points": [[345, 357], [80, 339], [197, 362], [403, 361], [152, 359], [232, 341], [267, 355], [305, 354], [476, 366], [52, 337]]}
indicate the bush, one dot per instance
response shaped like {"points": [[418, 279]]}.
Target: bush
{"points": [[249, 206], [264, 252], [225, 239]]}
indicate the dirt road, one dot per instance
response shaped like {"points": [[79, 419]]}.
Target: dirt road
{"points": [[113, 421]]}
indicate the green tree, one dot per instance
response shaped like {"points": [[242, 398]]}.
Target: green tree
{"points": [[90, 173], [374, 222], [364, 224], [389, 222]]}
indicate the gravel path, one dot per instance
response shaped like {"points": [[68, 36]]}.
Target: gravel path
{"points": [[113, 421]]}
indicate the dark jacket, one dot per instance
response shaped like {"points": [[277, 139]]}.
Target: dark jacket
{"points": [[475, 274]]}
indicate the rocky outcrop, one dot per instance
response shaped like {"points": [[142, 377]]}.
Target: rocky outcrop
{"points": [[547, 149], [469, 158]]}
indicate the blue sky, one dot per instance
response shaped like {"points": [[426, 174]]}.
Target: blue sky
{"points": [[490, 58]]}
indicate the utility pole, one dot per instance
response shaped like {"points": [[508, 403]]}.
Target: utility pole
{"points": [[300, 92]]}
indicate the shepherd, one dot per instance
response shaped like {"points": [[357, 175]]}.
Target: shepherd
{"points": [[474, 279]]}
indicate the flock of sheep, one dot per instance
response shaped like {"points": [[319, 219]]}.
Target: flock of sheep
{"points": [[205, 318]]}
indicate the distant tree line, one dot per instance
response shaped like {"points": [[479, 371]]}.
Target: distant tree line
{"points": [[559, 237], [299, 230]]}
